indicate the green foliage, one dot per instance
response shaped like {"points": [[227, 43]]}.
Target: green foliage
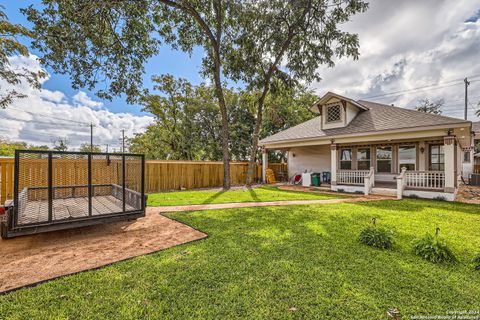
{"points": [[187, 122], [433, 249], [60, 144], [10, 46], [427, 106], [85, 147], [377, 237], [7, 147]]}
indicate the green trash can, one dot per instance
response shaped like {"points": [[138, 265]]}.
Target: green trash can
{"points": [[316, 179]]}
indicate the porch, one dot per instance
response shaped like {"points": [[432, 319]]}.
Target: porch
{"points": [[423, 167], [404, 167]]}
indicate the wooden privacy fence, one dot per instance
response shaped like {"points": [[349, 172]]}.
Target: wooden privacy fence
{"points": [[160, 175]]}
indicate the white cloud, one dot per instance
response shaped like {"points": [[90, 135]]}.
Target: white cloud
{"points": [[82, 99], [46, 115], [409, 44]]}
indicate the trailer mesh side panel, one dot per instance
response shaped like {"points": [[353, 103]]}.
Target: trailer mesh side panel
{"points": [[32, 188], [54, 187]]}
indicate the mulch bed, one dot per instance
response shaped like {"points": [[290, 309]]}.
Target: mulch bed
{"points": [[29, 260], [468, 194]]}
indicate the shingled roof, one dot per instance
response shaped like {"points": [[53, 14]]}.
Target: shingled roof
{"points": [[377, 118]]}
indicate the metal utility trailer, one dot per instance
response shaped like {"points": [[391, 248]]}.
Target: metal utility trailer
{"points": [[56, 190]]}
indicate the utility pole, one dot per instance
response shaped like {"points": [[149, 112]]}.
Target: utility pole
{"points": [[123, 140], [107, 147], [467, 83], [91, 137]]}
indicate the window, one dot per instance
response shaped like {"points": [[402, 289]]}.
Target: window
{"points": [[407, 157], [466, 156], [334, 113], [346, 159], [363, 158], [384, 159], [437, 158]]}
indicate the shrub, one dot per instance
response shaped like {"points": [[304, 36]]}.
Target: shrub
{"points": [[476, 262], [440, 198], [374, 236], [433, 249]]}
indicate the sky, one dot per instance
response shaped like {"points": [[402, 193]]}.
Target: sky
{"points": [[409, 50]]}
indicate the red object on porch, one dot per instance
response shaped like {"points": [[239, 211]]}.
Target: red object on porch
{"points": [[297, 179]]}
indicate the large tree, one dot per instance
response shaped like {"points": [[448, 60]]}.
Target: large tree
{"points": [[100, 41], [10, 46], [289, 40], [187, 119]]}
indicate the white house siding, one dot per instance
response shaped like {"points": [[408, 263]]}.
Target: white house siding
{"points": [[312, 159], [352, 112]]}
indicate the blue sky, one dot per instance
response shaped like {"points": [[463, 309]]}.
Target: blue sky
{"points": [[168, 61]]}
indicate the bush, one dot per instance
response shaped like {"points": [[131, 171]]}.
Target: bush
{"points": [[433, 249], [476, 262], [440, 198], [374, 236]]}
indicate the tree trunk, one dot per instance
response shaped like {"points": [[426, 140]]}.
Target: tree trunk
{"points": [[256, 134], [225, 131]]}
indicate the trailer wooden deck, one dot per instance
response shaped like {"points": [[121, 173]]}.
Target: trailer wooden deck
{"points": [[70, 208]]}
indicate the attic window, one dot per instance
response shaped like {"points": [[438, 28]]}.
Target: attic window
{"points": [[334, 113]]}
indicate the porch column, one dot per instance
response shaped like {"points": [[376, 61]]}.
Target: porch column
{"points": [[449, 150], [333, 163], [264, 164]]}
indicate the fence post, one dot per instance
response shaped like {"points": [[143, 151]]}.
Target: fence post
{"points": [[89, 182], [50, 187], [123, 182]]}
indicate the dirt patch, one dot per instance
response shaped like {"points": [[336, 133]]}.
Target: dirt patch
{"points": [[31, 259], [468, 194]]}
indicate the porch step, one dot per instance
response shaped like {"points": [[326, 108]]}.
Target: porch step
{"points": [[384, 191]]}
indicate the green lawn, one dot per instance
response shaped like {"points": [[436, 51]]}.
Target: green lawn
{"points": [[265, 193], [262, 262]]}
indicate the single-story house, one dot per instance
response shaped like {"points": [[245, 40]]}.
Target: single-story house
{"points": [[371, 147]]}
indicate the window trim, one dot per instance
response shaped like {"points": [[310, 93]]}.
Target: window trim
{"points": [[438, 154], [377, 159], [327, 112], [341, 161], [398, 156], [369, 159]]}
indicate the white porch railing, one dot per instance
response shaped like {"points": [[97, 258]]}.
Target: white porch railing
{"points": [[356, 177], [369, 181], [401, 183], [425, 179]]}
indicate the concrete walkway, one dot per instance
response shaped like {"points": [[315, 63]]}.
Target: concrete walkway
{"points": [[216, 206]]}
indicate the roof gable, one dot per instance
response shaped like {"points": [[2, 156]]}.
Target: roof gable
{"points": [[329, 95], [376, 117]]}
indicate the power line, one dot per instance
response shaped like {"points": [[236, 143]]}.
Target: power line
{"points": [[413, 90], [49, 116], [425, 87], [33, 121]]}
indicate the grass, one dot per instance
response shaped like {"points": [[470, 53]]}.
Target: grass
{"points": [[264, 193], [285, 262]]}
